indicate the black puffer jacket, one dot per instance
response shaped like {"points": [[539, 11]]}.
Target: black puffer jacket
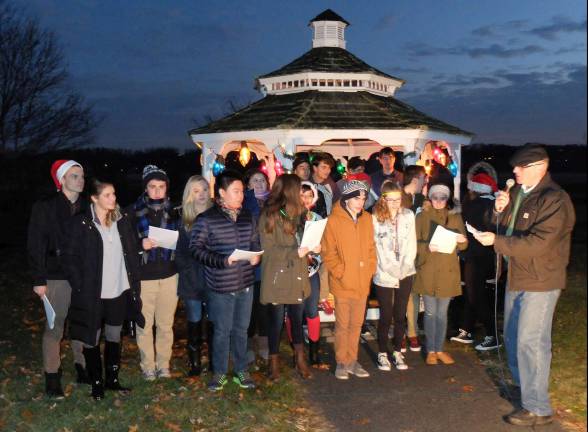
{"points": [[48, 225], [82, 259], [213, 238], [476, 212], [191, 283]]}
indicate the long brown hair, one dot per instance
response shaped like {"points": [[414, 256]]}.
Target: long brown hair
{"points": [[381, 210], [96, 188], [284, 204]]}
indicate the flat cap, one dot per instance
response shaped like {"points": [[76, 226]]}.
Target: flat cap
{"points": [[528, 154]]}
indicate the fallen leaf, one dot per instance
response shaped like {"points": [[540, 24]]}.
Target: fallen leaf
{"points": [[173, 427], [468, 388], [133, 428], [362, 421]]}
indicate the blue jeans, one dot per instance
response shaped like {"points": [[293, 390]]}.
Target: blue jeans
{"points": [[435, 322], [230, 314], [527, 337], [193, 309], [311, 302]]}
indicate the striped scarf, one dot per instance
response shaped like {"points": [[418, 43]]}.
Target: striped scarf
{"points": [[141, 208]]}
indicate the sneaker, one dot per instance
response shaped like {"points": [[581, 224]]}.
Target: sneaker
{"points": [[218, 382], [341, 372], [414, 344], [463, 337], [403, 345], [398, 360], [357, 370], [163, 373], [243, 380], [488, 344], [149, 375], [383, 362]]}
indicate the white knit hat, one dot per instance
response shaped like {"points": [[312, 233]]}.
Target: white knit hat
{"points": [[440, 189]]}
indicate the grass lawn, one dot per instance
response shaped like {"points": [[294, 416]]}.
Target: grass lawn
{"points": [[177, 404]]}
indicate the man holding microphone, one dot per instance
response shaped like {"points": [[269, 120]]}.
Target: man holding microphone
{"points": [[535, 222]]}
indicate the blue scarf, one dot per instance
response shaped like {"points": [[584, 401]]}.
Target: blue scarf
{"points": [[141, 208]]}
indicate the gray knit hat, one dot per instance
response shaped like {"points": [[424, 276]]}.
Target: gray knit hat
{"points": [[152, 172], [353, 189]]}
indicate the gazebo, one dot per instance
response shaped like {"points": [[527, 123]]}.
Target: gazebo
{"points": [[326, 100]]}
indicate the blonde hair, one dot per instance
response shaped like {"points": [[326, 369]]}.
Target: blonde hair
{"points": [[191, 209]]}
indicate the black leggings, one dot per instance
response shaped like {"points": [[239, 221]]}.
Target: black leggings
{"points": [[259, 322], [276, 322], [476, 299], [393, 302]]}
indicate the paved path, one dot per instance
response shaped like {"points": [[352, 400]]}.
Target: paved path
{"points": [[459, 397]]}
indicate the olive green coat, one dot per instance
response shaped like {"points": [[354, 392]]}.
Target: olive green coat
{"points": [[437, 274], [284, 275]]}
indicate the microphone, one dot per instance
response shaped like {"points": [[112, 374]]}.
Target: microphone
{"points": [[509, 184]]}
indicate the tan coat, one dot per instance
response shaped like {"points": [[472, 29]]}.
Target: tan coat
{"points": [[437, 274], [284, 275], [349, 253]]}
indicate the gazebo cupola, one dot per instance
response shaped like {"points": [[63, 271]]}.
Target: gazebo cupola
{"points": [[328, 66], [329, 30]]}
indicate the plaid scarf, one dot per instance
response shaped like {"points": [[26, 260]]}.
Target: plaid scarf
{"points": [[141, 208]]}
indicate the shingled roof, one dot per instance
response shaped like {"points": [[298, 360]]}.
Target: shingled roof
{"points": [[328, 15], [314, 109], [327, 59]]}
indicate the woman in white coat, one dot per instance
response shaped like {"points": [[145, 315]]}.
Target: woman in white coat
{"points": [[396, 247]]}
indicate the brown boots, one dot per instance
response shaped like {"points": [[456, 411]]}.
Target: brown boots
{"points": [[301, 365], [274, 367]]}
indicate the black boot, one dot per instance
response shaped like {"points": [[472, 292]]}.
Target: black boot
{"points": [[313, 353], [53, 385], [112, 366], [82, 375], [194, 348], [209, 344], [94, 368]]}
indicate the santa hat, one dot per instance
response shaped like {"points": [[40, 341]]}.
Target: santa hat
{"points": [[59, 168], [482, 183], [362, 177], [313, 189]]}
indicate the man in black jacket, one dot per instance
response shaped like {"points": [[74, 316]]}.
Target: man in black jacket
{"points": [[46, 240]]}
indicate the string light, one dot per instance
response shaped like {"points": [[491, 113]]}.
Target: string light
{"points": [[452, 167], [278, 168], [218, 166], [244, 154], [340, 167]]}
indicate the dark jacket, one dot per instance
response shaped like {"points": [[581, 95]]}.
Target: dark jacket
{"points": [[213, 238], [161, 267], [83, 265], [378, 179], [539, 248], [438, 274], [475, 212], [48, 225], [191, 283], [284, 274]]}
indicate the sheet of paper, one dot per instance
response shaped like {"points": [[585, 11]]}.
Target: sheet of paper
{"points": [[472, 229], [444, 239], [165, 238], [313, 233], [242, 255], [49, 311]]}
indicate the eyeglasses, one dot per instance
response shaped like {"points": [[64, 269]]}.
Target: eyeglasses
{"points": [[439, 198]]}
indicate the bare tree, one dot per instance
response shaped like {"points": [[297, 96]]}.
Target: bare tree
{"points": [[38, 111]]}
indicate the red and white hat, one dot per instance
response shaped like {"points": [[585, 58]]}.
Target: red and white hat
{"points": [[483, 184], [59, 168]]}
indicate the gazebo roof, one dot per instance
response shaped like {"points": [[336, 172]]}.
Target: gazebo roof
{"points": [[329, 15], [313, 109], [327, 59]]}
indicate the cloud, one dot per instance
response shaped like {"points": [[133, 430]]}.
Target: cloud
{"points": [[542, 106], [494, 50], [558, 25], [493, 30], [385, 22]]}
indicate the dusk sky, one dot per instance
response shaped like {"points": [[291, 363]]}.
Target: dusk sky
{"points": [[509, 71]]}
